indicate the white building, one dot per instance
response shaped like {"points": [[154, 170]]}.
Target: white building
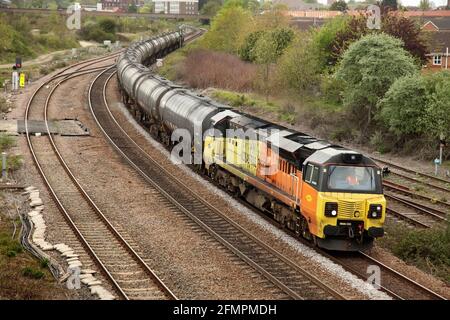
{"points": [[176, 6]]}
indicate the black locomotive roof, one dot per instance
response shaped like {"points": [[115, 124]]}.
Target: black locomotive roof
{"points": [[339, 155]]}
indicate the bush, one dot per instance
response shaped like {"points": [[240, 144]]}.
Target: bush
{"points": [[44, 263], [429, 249], [105, 30], [32, 273], [438, 104], [14, 162], [297, 69], [282, 37], [204, 68], [331, 89], [9, 247], [402, 108], [56, 42], [380, 143], [246, 50], [369, 67], [226, 28], [323, 39], [108, 25], [6, 142]]}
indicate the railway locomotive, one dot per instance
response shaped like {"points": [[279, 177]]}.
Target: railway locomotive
{"points": [[323, 192]]}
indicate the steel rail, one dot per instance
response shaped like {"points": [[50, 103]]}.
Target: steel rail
{"points": [[398, 274], [91, 250], [420, 208], [58, 202], [206, 204], [405, 190], [410, 170]]}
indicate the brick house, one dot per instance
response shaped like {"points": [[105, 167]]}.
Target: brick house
{"points": [[439, 39], [176, 6]]}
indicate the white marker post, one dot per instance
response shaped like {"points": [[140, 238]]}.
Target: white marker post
{"points": [[15, 80], [436, 164]]}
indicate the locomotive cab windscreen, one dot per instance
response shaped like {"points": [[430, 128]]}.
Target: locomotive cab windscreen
{"points": [[350, 173]]}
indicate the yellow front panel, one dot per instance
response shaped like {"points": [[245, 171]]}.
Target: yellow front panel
{"points": [[351, 206]]}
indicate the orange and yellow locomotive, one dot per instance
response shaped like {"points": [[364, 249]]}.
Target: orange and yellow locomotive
{"points": [[326, 193]]}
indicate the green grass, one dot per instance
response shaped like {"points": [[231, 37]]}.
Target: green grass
{"points": [[32, 273], [428, 249], [6, 142], [23, 277], [285, 112]]}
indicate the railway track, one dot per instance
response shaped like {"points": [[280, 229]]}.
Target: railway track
{"points": [[288, 276], [393, 282], [414, 172], [419, 210], [118, 262], [415, 213], [416, 209]]}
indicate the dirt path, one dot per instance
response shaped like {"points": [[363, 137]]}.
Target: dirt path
{"points": [[45, 57], [41, 59]]}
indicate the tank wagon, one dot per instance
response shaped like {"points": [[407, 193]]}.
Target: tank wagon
{"points": [[328, 194]]}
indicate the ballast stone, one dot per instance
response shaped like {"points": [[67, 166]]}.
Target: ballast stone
{"points": [[94, 282], [35, 203], [30, 188], [88, 271]]}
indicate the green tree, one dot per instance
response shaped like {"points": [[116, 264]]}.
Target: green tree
{"points": [[438, 105], [226, 27], [266, 53], [211, 8], [425, 5], [282, 37], [108, 25], [132, 8], [369, 67], [389, 5], [324, 40], [246, 51], [253, 6], [147, 7], [339, 5], [298, 69], [395, 25], [403, 107]]}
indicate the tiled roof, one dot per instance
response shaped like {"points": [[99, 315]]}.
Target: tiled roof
{"points": [[439, 41], [443, 23]]}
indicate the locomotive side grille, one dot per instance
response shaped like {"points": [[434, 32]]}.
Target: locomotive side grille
{"points": [[348, 208]]}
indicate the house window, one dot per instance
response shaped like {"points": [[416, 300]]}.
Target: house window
{"points": [[437, 60]]}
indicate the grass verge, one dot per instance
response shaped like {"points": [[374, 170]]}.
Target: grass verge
{"points": [[22, 277], [429, 249]]}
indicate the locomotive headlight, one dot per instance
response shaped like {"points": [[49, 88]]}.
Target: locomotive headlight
{"points": [[375, 211], [331, 209]]}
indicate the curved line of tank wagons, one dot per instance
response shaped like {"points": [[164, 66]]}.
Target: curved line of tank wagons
{"points": [[176, 107]]}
